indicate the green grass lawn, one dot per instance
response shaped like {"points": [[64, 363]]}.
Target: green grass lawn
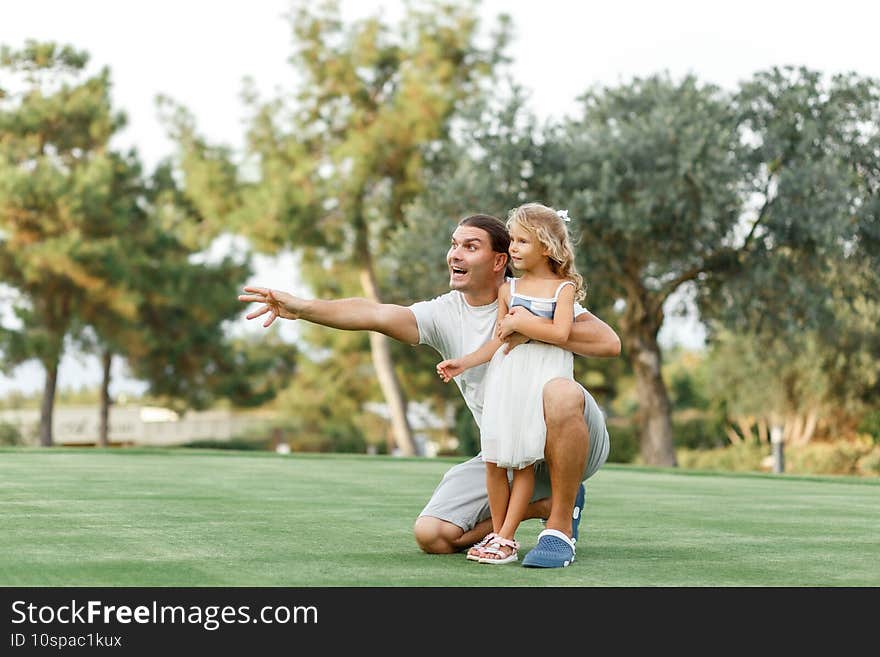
{"points": [[126, 517]]}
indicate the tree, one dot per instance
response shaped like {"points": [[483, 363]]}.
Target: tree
{"points": [[811, 255], [95, 253], [179, 341], [662, 180], [335, 171], [102, 328], [762, 384], [743, 196], [805, 380], [57, 226], [811, 225], [650, 176]]}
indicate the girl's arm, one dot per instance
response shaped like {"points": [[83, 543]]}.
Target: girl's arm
{"points": [[590, 336], [452, 367], [537, 328]]}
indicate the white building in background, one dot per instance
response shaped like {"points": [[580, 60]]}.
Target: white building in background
{"points": [[135, 425]]}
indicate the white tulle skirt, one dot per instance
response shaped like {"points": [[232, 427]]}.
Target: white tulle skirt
{"points": [[512, 432]]}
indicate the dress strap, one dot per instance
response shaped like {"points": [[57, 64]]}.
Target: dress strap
{"points": [[562, 285], [512, 285]]}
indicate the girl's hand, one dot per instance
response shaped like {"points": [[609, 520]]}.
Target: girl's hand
{"points": [[510, 323], [448, 369], [514, 340]]}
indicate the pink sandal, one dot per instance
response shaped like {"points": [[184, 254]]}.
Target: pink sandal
{"points": [[475, 552], [495, 548]]}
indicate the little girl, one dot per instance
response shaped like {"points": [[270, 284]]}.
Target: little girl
{"points": [[512, 432]]}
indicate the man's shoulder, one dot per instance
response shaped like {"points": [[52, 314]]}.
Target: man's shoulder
{"points": [[453, 302], [437, 319], [451, 298], [433, 312]]}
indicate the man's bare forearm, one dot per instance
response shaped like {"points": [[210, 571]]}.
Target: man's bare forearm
{"points": [[589, 336], [359, 314], [592, 337], [354, 314]]}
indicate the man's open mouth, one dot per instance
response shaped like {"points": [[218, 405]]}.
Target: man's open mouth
{"points": [[458, 271]]}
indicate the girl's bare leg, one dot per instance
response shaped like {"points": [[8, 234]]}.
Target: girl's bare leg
{"points": [[522, 487], [498, 489]]}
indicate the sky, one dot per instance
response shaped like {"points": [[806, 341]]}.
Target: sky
{"points": [[198, 52]]}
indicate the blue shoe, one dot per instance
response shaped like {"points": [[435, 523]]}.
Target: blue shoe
{"points": [[577, 512], [554, 550]]}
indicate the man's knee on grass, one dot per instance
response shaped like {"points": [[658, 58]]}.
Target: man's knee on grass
{"points": [[435, 536], [563, 402]]}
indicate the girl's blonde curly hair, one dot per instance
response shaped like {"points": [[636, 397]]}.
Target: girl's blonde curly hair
{"points": [[548, 227]]}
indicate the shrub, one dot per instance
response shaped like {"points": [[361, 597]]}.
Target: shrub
{"points": [[700, 432], [341, 436], [869, 464], [838, 457], [624, 438], [9, 434], [346, 438], [870, 425], [858, 456], [467, 432], [735, 458], [232, 443]]}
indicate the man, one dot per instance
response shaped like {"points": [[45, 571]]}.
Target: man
{"points": [[457, 515]]}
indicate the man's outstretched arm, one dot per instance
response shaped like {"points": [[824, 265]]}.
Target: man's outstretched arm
{"points": [[354, 314]]}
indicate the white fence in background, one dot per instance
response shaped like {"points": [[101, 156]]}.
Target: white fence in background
{"points": [[135, 425]]}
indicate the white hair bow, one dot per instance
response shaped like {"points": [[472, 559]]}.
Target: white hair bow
{"points": [[563, 214]]}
